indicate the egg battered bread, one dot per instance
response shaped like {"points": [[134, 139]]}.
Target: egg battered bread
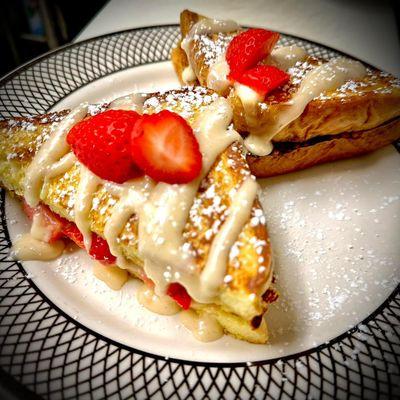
{"points": [[243, 298], [293, 156], [351, 111]]}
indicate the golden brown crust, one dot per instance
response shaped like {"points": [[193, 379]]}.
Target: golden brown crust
{"points": [[197, 50], [304, 155], [187, 20], [180, 62]]}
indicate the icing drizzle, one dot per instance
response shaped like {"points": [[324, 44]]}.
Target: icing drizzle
{"points": [[162, 209]]}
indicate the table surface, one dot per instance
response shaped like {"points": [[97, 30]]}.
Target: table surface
{"points": [[365, 29]]}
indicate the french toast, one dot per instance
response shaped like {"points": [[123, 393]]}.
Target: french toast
{"points": [[361, 113], [243, 297]]}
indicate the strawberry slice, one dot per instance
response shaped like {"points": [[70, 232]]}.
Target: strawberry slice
{"points": [[263, 78], [61, 228], [53, 222], [28, 210], [102, 144], [99, 249], [164, 147], [248, 48], [177, 292], [71, 231]]}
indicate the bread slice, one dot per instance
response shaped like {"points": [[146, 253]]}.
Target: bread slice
{"points": [[356, 107], [294, 156], [243, 299]]}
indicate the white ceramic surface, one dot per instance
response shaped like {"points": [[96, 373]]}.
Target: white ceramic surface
{"points": [[334, 229]]}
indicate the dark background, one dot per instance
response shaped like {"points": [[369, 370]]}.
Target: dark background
{"points": [[29, 28]]}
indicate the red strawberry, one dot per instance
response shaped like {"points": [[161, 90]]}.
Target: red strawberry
{"points": [[102, 144], [28, 210], [263, 78], [61, 227], [180, 295], [165, 148], [71, 231], [99, 249], [249, 48], [53, 222]]}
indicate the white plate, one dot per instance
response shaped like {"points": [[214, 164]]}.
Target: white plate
{"points": [[334, 230]]}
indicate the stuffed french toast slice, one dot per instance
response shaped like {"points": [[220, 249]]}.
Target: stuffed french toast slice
{"points": [[294, 110], [204, 242]]}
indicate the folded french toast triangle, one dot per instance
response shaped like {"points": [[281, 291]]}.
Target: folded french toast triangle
{"points": [[208, 235], [284, 94]]}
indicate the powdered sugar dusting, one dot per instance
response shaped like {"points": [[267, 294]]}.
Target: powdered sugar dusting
{"points": [[212, 47], [186, 102], [339, 258]]}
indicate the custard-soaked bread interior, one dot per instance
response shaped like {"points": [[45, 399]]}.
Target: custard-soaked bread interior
{"points": [[240, 302]]}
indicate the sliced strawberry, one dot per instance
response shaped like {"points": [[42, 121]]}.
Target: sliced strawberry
{"points": [[53, 222], [164, 147], [249, 48], [28, 210], [61, 228], [71, 231], [102, 144], [100, 250], [263, 78], [180, 295]]}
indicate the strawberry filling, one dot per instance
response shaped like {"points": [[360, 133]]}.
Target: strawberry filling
{"points": [[177, 292], [62, 228]]}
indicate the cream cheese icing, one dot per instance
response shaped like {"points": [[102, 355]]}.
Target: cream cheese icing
{"points": [[162, 209], [204, 27], [327, 76]]}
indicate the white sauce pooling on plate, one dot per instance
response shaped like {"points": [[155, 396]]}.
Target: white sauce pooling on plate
{"points": [[159, 304], [27, 248], [203, 27], [113, 276], [325, 77], [204, 327], [49, 153]]}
